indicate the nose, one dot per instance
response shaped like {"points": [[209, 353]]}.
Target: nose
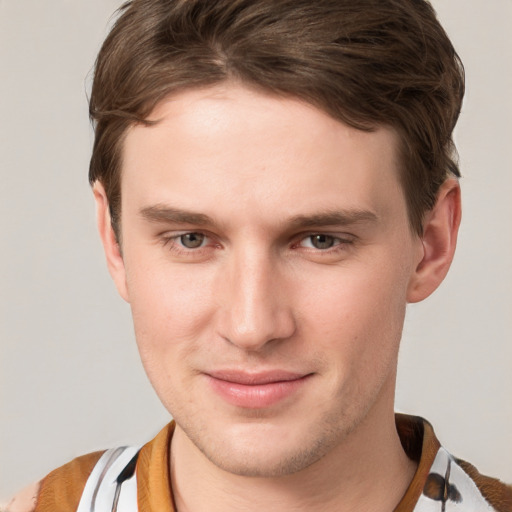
{"points": [[255, 307]]}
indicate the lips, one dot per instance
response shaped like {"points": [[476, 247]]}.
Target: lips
{"points": [[256, 390]]}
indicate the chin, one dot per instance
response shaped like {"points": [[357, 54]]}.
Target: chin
{"points": [[267, 451], [266, 463]]}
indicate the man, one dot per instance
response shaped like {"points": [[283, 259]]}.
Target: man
{"points": [[274, 182]]}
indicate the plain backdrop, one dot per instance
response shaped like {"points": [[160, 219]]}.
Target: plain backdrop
{"points": [[70, 378]]}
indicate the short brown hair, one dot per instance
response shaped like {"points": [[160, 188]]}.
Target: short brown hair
{"points": [[364, 62]]}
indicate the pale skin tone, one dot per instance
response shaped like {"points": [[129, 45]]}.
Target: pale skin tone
{"points": [[259, 235]]}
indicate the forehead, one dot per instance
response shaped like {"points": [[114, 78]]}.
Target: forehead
{"points": [[259, 150]]}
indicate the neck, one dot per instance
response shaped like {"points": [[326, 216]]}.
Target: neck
{"points": [[367, 471]]}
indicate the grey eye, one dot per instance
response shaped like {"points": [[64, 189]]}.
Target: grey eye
{"points": [[322, 241], [192, 240]]}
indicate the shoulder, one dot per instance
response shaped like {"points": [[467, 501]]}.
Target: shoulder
{"points": [[59, 491], [495, 492], [442, 480], [25, 500], [459, 484]]}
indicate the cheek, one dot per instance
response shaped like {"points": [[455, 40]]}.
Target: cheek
{"points": [[162, 294], [358, 318], [171, 311]]}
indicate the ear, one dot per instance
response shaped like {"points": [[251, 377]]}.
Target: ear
{"points": [[439, 239], [111, 247]]}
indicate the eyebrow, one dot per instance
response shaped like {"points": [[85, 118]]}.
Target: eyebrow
{"points": [[163, 213], [334, 218]]}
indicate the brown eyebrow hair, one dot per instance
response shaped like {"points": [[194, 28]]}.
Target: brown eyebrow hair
{"points": [[333, 218], [163, 213]]}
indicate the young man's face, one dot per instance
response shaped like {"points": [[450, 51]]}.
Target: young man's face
{"points": [[267, 258]]}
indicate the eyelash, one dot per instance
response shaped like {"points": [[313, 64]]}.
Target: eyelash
{"points": [[340, 243], [173, 245]]}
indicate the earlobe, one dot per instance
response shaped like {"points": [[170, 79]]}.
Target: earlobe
{"points": [[439, 239], [111, 247]]}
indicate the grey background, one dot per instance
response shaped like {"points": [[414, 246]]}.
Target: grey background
{"points": [[70, 379]]}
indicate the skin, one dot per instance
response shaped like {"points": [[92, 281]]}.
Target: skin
{"points": [[25, 500], [273, 280]]}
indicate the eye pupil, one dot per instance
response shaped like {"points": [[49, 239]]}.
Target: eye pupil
{"points": [[322, 241], [192, 240]]}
